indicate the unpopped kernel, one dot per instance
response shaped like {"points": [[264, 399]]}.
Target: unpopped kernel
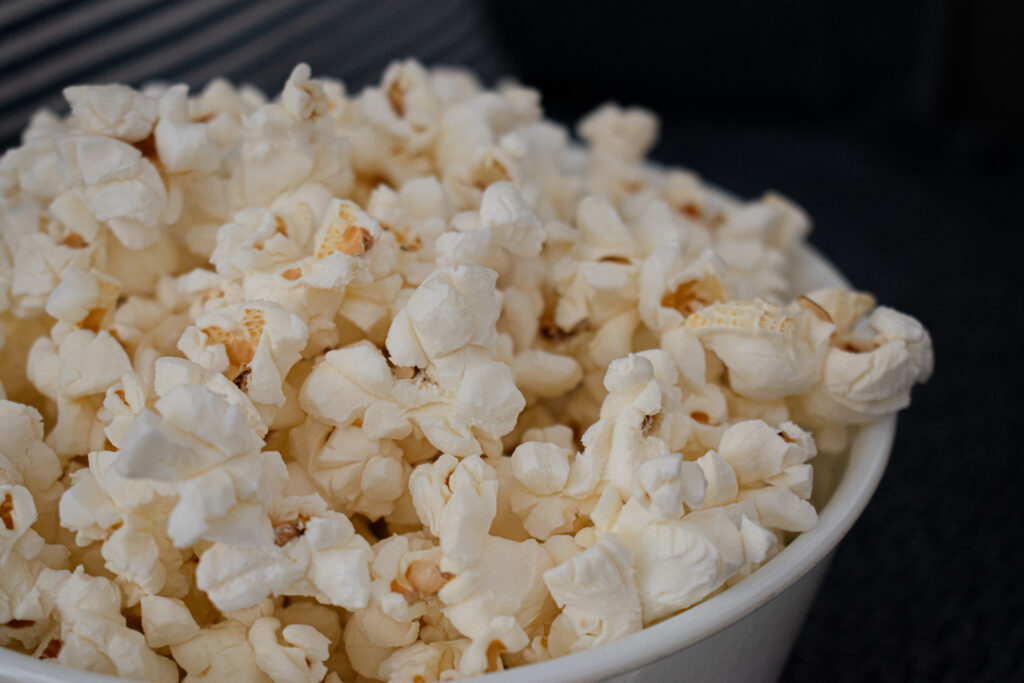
{"points": [[401, 385]]}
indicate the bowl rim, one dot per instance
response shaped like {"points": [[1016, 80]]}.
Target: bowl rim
{"points": [[869, 454]]}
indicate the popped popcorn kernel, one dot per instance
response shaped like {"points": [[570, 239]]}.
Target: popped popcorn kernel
{"points": [[402, 385], [344, 234]]}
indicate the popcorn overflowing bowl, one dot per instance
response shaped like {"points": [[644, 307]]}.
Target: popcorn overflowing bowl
{"points": [[409, 386]]}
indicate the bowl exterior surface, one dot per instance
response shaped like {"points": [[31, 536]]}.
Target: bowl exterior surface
{"points": [[752, 650]]}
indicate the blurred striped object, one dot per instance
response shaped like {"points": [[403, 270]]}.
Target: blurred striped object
{"points": [[46, 45]]}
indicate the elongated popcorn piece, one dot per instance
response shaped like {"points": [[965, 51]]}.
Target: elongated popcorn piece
{"points": [[398, 385]]}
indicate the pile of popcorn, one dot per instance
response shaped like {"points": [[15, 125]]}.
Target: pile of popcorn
{"points": [[406, 385]]}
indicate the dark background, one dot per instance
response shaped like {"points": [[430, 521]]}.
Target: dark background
{"points": [[896, 124]]}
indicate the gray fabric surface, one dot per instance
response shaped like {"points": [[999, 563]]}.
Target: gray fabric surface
{"points": [[46, 46]]}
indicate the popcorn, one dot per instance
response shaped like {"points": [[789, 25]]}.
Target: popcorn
{"points": [[122, 189], [17, 514], [256, 239], [84, 298], [39, 266], [89, 364], [166, 621], [483, 655], [219, 653], [623, 133], [90, 631], [423, 661], [358, 473], [183, 146], [789, 351], [865, 378], [300, 661], [456, 500], [112, 110], [130, 520], [757, 452], [510, 220], [541, 471], [545, 374], [259, 339], [213, 465], [401, 385], [314, 552], [452, 309], [25, 459], [598, 597]]}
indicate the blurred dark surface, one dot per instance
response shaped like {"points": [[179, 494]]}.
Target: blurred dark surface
{"points": [[897, 126]]}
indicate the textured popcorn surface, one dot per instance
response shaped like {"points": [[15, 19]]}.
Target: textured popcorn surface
{"points": [[405, 385]]}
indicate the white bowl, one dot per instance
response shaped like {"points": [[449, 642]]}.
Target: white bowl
{"points": [[742, 634]]}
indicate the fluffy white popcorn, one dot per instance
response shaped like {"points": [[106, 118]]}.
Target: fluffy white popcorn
{"points": [[203, 449], [452, 389], [220, 652], [456, 500], [779, 508], [508, 581], [300, 660], [678, 563], [355, 383], [183, 146], [113, 110], [541, 471], [74, 370], [672, 286], [84, 298], [278, 153], [769, 354], [167, 621], [599, 280], [314, 552], [17, 515], [40, 263], [89, 364], [255, 240], [667, 483], [358, 473], [866, 377], [483, 654], [90, 631], [24, 457], [545, 374], [122, 189], [510, 220], [403, 384], [259, 338], [623, 133], [757, 452], [722, 484], [130, 519], [423, 661], [463, 403], [637, 419], [597, 594], [25, 616], [452, 309]]}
